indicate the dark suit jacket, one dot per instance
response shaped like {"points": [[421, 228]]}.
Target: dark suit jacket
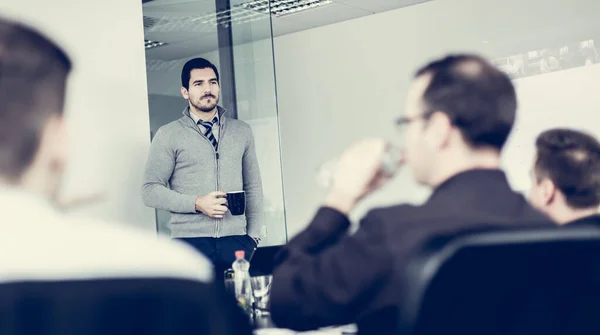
{"points": [[325, 277], [592, 219]]}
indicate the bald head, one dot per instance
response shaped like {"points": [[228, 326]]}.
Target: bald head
{"points": [[478, 98], [470, 68]]}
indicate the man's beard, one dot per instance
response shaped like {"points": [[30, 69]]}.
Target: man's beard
{"points": [[205, 107]]}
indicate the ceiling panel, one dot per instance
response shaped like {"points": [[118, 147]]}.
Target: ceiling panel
{"points": [[328, 14], [187, 44], [175, 35], [188, 27], [261, 29], [182, 49], [158, 3], [377, 6], [179, 20], [188, 8]]}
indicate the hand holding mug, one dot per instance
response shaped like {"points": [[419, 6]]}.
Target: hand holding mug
{"points": [[213, 205]]}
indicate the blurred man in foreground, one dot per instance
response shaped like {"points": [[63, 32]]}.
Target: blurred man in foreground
{"points": [[458, 115], [36, 241], [566, 176]]}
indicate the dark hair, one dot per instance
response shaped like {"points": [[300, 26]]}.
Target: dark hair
{"points": [[478, 98], [33, 75], [571, 160], [196, 63]]}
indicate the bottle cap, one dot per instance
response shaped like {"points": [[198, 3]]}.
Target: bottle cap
{"points": [[240, 254]]}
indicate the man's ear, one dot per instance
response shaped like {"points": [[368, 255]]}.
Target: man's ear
{"points": [[56, 133], [549, 190], [185, 93], [438, 129], [53, 147]]}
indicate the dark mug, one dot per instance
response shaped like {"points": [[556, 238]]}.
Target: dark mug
{"points": [[236, 202]]}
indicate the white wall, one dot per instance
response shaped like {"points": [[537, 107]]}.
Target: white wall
{"points": [[107, 105], [334, 80]]}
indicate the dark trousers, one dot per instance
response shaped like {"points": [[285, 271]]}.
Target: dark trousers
{"points": [[221, 251]]}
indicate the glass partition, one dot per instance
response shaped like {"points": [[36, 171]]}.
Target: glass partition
{"points": [[257, 105], [238, 40]]}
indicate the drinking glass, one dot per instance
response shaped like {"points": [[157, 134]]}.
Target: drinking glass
{"points": [[229, 281], [261, 288], [390, 162]]}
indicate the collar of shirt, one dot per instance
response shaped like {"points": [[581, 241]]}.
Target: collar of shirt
{"points": [[196, 118], [17, 200]]}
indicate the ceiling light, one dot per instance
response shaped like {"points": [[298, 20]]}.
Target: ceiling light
{"points": [[283, 7], [148, 44]]}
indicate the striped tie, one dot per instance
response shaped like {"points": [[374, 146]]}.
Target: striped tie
{"points": [[208, 132]]}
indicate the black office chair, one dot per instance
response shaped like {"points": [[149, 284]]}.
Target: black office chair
{"points": [[519, 281], [118, 306]]}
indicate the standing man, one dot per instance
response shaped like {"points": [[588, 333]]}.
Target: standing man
{"points": [[566, 176], [195, 160]]}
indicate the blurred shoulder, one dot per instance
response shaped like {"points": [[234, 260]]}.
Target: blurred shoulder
{"points": [[143, 252]]}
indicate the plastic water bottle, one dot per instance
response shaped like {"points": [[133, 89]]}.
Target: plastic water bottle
{"points": [[243, 286]]}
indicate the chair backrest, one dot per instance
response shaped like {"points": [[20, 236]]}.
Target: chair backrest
{"points": [[118, 306], [518, 281]]}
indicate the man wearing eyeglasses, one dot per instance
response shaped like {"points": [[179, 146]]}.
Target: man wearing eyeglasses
{"points": [[458, 115]]}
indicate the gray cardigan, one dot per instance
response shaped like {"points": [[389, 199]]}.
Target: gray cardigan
{"points": [[183, 165]]}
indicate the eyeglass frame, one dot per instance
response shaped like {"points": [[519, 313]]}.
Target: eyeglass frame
{"points": [[403, 121]]}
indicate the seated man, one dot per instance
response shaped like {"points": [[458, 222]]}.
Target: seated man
{"points": [[458, 115], [36, 241], [566, 176]]}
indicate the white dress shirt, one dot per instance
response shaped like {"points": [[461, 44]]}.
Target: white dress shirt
{"points": [[215, 127], [39, 243]]}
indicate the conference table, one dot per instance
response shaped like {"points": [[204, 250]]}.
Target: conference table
{"points": [[264, 326]]}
